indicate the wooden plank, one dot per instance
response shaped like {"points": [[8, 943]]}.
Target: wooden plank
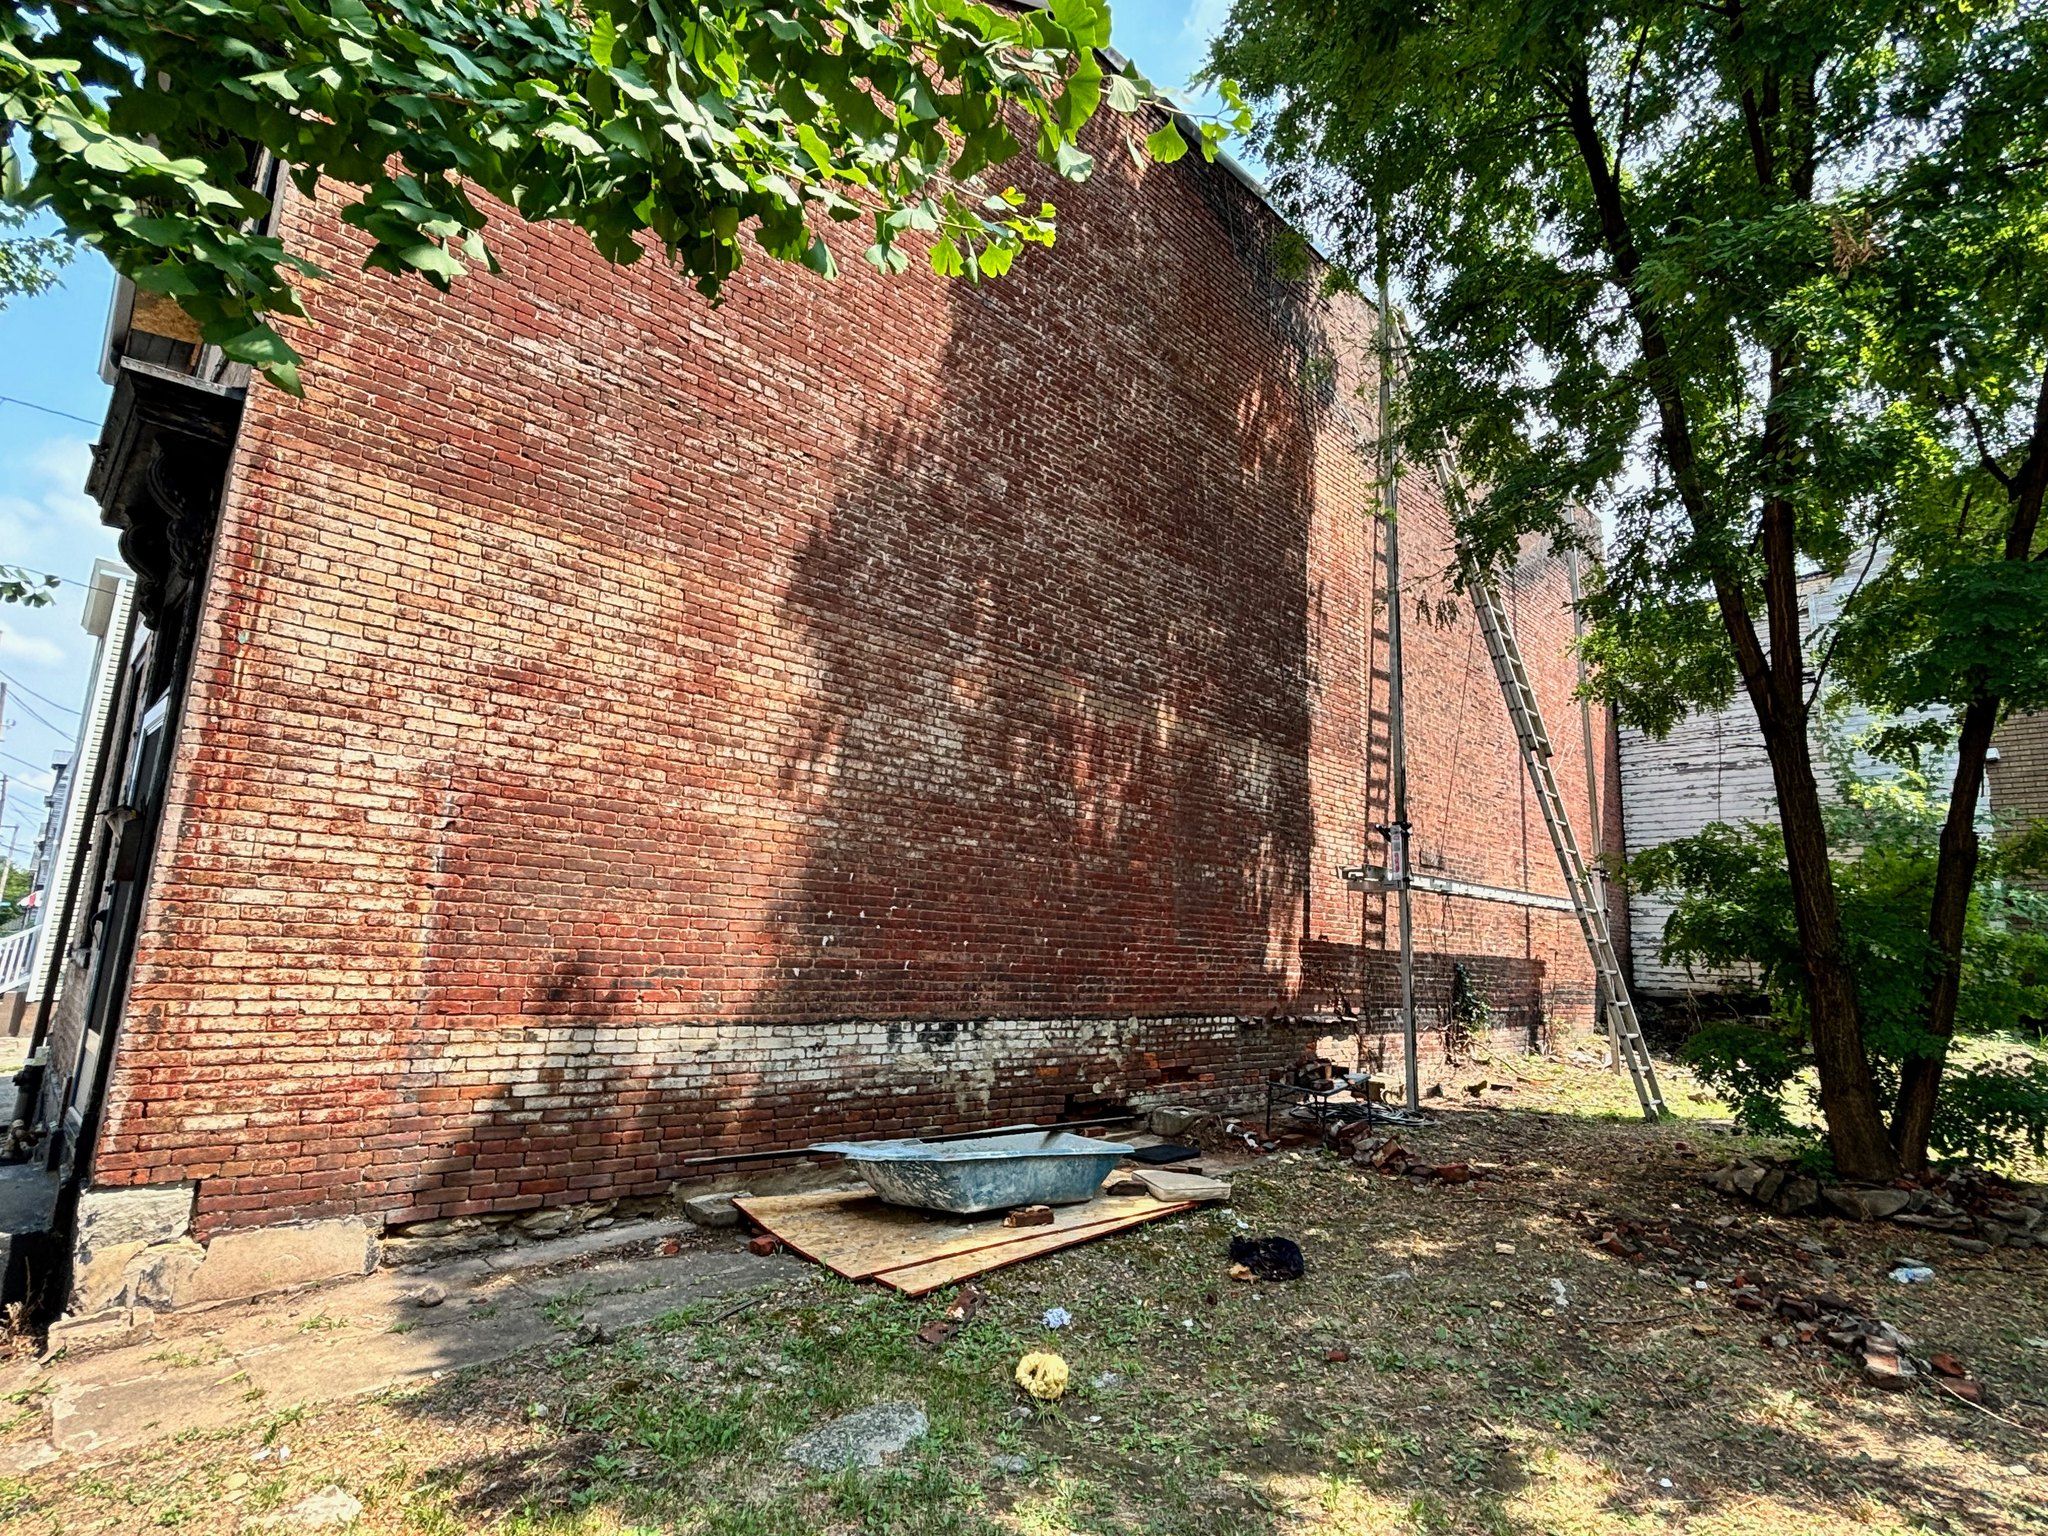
{"points": [[951, 1269], [1170, 1184], [856, 1234]]}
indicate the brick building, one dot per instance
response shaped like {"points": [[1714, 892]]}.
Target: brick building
{"points": [[2017, 778], [592, 729]]}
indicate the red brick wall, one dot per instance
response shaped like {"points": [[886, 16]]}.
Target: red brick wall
{"points": [[624, 729]]}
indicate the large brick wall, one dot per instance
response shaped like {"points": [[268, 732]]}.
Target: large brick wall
{"points": [[624, 729]]}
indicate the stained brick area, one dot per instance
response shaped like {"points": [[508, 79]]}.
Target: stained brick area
{"points": [[608, 705]]}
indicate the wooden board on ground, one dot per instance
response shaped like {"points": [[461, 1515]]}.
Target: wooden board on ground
{"points": [[1170, 1184], [854, 1233]]}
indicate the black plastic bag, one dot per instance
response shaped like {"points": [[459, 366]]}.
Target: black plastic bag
{"points": [[1270, 1258]]}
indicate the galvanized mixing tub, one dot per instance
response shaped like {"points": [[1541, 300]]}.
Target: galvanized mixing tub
{"points": [[991, 1173]]}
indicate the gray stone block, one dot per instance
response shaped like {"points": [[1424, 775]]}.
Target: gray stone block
{"points": [[862, 1439], [262, 1259], [713, 1210], [157, 1213]]}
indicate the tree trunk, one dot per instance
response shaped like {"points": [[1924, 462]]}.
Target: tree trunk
{"points": [[1848, 1091], [1774, 681], [1955, 868], [1955, 872]]}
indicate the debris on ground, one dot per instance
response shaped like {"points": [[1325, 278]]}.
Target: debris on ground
{"points": [[864, 1439], [1058, 1317], [1165, 1184], [1976, 1210], [1043, 1375], [1029, 1216], [1388, 1156], [431, 1294], [956, 1317], [1911, 1274], [1801, 1316], [1165, 1152], [1249, 1139], [763, 1245], [333, 1508], [1269, 1258]]}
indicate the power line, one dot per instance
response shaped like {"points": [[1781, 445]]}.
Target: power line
{"points": [[36, 715], [32, 767], [48, 410], [29, 570], [40, 698]]}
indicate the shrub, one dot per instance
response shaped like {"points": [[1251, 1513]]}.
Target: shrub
{"points": [[1733, 913]]}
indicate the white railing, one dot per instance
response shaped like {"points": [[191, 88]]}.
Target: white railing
{"points": [[17, 957]]}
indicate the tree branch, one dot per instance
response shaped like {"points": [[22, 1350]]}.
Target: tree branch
{"points": [[1827, 655], [1984, 453], [1662, 374], [1628, 93]]}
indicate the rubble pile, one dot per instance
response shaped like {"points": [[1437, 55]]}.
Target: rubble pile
{"points": [[1390, 1157], [1797, 1315], [1975, 1210]]}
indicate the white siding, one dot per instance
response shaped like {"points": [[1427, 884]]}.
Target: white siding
{"points": [[1712, 768], [109, 614]]}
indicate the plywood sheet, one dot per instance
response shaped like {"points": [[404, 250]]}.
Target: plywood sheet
{"points": [[951, 1269], [854, 1233]]}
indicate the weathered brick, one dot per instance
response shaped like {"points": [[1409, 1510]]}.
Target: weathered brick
{"points": [[623, 729]]}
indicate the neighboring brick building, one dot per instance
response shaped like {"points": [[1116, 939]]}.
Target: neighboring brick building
{"points": [[617, 729], [2016, 782]]}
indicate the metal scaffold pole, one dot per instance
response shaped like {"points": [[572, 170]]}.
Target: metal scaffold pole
{"points": [[1397, 734], [1592, 790]]}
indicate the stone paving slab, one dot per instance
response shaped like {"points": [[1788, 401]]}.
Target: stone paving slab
{"points": [[357, 1337]]}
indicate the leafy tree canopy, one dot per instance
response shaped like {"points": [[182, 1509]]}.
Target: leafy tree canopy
{"points": [[690, 123], [1767, 280], [1685, 261], [29, 264]]}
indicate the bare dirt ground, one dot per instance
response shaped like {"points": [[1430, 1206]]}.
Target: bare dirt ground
{"points": [[1458, 1358]]}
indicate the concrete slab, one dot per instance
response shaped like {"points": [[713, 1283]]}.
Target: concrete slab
{"points": [[355, 1337]]}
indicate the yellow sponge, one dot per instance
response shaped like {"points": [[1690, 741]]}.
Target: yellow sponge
{"points": [[1043, 1376]]}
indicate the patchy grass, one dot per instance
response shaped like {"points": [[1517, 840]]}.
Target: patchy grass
{"points": [[1550, 1389]]}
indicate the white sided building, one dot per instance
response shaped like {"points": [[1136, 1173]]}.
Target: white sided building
{"points": [[1712, 767]]}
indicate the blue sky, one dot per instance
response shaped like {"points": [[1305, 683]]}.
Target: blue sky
{"points": [[49, 356]]}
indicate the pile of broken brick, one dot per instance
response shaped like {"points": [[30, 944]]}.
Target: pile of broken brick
{"points": [[1390, 1157], [1797, 1316], [1977, 1211]]}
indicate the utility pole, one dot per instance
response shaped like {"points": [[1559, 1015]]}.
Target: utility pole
{"points": [[1397, 733]]}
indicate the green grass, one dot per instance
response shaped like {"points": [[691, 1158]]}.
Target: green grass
{"points": [[1199, 1406]]}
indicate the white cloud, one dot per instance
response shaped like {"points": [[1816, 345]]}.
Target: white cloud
{"points": [[62, 463], [1204, 20], [43, 505], [47, 523], [35, 650]]}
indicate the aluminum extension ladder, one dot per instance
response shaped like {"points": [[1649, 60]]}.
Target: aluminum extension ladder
{"points": [[1527, 718]]}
